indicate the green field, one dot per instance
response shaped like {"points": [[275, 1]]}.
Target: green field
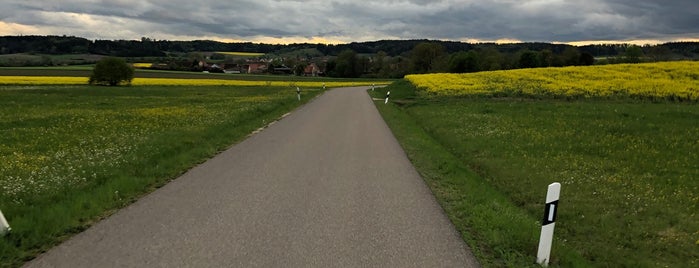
{"points": [[241, 54], [628, 169], [70, 155], [86, 70]]}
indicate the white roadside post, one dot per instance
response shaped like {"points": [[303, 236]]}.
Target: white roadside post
{"points": [[546, 239], [387, 95], [323, 85], [4, 226], [298, 93], [372, 87]]}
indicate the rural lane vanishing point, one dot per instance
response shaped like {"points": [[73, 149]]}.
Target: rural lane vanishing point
{"points": [[327, 186]]}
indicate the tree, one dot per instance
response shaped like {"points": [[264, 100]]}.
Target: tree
{"points": [[464, 62], [633, 54], [546, 58], [586, 58], [378, 63], [425, 55], [346, 64], [659, 53], [570, 56], [300, 69], [111, 71], [491, 59], [529, 59]]}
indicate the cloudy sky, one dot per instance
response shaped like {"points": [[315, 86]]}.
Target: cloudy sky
{"points": [[341, 21]]}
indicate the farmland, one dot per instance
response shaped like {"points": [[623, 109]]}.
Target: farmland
{"points": [[79, 74], [665, 80], [67, 80], [241, 54], [68, 153], [627, 162]]}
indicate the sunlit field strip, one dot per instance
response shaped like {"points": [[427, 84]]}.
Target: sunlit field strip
{"points": [[54, 80], [246, 54], [142, 65], [673, 80], [42, 80]]}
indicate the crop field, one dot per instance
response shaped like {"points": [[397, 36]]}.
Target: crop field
{"points": [[24, 59], [75, 75], [242, 54], [142, 65], [665, 80], [627, 165], [70, 153], [68, 80]]}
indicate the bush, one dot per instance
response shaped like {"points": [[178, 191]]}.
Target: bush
{"points": [[111, 71]]}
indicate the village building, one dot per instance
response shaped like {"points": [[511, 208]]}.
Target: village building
{"points": [[312, 70]]}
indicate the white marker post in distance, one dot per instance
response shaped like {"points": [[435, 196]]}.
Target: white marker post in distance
{"points": [[4, 226], [298, 93], [544, 254], [387, 94]]}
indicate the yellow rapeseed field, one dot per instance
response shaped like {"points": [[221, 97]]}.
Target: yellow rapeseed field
{"points": [[42, 80], [57, 80], [671, 80], [142, 65]]}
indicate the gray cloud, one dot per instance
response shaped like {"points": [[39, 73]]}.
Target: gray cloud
{"points": [[346, 20]]}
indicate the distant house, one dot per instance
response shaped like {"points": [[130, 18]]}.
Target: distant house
{"points": [[312, 70], [256, 68], [235, 68], [282, 70]]}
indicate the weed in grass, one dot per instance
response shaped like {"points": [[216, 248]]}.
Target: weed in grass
{"points": [[628, 169], [70, 153]]}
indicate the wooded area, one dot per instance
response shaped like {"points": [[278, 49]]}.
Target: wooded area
{"points": [[386, 58]]}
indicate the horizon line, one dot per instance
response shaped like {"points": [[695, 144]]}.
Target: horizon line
{"points": [[324, 41]]}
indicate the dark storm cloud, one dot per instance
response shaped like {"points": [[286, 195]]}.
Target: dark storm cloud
{"points": [[526, 20]]}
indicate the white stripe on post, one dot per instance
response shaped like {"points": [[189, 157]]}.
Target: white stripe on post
{"points": [[298, 93], [387, 94], [4, 226], [546, 239]]}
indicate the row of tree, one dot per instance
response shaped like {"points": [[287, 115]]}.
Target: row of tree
{"points": [[386, 58], [147, 47], [432, 57]]}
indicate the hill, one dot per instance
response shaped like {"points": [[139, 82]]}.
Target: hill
{"points": [[375, 59], [147, 47]]}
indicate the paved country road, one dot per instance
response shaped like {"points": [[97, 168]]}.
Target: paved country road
{"points": [[327, 186]]}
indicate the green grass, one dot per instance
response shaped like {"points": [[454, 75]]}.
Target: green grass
{"points": [[628, 169], [241, 54], [85, 71], [71, 155], [29, 59]]}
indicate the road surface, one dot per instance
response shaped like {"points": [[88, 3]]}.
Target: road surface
{"points": [[327, 186]]}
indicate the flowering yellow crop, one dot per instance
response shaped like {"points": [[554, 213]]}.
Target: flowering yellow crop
{"points": [[142, 65], [42, 80], [55, 80], [655, 80]]}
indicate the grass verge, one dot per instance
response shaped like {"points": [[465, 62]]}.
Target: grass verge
{"points": [[71, 155], [624, 166]]}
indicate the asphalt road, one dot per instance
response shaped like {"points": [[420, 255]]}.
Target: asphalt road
{"points": [[327, 186]]}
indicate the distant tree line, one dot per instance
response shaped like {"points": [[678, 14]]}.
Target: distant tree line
{"points": [[386, 58], [437, 56]]}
